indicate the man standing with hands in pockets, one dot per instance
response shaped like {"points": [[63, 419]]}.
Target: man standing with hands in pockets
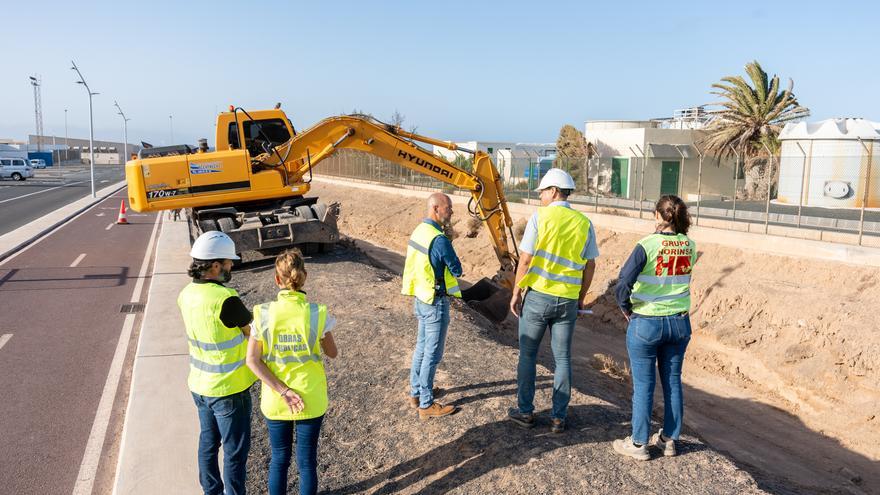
{"points": [[556, 267]]}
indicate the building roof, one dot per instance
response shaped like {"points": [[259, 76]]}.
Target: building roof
{"points": [[840, 129]]}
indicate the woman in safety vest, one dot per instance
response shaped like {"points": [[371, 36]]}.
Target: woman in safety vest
{"points": [[285, 351], [653, 292]]}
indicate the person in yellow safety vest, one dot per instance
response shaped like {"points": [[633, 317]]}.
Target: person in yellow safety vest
{"points": [[429, 275], [653, 291], [285, 351], [217, 327], [554, 273]]}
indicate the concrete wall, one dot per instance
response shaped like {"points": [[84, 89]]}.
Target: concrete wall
{"points": [[626, 141]]}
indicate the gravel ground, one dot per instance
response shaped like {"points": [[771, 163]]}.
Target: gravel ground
{"points": [[372, 442]]}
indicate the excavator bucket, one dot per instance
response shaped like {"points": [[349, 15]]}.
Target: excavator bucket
{"points": [[489, 299]]}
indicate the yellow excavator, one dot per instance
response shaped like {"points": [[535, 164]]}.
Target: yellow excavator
{"points": [[253, 185]]}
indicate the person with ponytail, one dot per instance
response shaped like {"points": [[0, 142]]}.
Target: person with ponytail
{"points": [[285, 351], [653, 292]]}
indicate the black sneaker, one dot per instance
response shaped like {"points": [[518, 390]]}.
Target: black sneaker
{"points": [[522, 419], [557, 425]]}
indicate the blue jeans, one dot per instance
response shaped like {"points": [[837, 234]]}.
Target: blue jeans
{"points": [[433, 322], [281, 440], [657, 341], [539, 312], [224, 421]]}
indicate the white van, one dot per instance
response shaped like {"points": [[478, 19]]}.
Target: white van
{"points": [[15, 169], [38, 163]]}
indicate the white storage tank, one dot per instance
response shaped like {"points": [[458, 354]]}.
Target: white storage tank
{"points": [[832, 168]]}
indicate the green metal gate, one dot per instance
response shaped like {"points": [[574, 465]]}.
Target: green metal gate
{"points": [[619, 176], [669, 175]]}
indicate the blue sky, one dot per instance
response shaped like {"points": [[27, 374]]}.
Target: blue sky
{"points": [[509, 71]]}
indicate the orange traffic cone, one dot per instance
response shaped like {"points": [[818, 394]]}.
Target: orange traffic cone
{"points": [[121, 220]]}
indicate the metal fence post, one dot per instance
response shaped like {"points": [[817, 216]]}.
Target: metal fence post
{"points": [[769, 176], [598, 169], [735, 179], [699, 183], [633, 153], [870, 152], [642, 179], [803, 177]]}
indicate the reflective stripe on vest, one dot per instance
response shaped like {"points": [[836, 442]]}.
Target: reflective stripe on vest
{"points": [[418, 274], [217, 352], [663, 286], [557, 265], [290, 330]]}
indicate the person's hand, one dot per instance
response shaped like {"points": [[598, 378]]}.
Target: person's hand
{"points": [[516, 303], [293, 400]]}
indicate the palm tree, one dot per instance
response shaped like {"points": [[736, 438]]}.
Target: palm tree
{"points": [[752, 115], [749, 123]]}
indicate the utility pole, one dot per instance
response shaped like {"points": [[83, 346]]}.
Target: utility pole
{"points": [[38, 110], [124, 132], [91, 126], [66, 143], [171, 126]]}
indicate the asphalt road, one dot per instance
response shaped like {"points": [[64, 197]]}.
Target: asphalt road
{"points": [[61, 324], [22, 202]]}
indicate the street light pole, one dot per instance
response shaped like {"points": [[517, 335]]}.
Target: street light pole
{"points": [[38, 111], [91, 126], [124, 132], [171, 125], [66, 143]]}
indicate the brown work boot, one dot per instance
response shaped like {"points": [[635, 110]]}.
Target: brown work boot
{"points": [[414, 401], [436, 410]]}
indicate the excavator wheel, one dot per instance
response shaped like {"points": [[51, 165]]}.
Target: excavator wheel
{"points": [[226, 224], [208, 225], [305, 212]]}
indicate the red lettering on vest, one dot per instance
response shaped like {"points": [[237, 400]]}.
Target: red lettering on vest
{"points": [[672, 265]]}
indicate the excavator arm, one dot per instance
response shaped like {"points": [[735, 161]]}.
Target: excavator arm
{"points": [[295, 158]]}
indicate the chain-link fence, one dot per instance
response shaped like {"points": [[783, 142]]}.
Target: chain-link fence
{"points": [[799, 195]]}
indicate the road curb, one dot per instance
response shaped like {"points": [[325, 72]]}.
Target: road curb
{"points": [[160, 434], [22, 237]]}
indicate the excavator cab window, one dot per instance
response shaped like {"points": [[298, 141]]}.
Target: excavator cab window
{"points": [[233, 137], [256, 132]]}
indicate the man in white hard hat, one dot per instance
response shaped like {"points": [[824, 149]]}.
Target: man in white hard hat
{"points": [[217, 328], [556, 267]]}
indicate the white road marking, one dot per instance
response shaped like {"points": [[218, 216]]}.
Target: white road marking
{"points": [[109, 227], [77, 260], [99, 214], [56, 229], [39, 192], [104, 181], [4, 339], [85, 479]]}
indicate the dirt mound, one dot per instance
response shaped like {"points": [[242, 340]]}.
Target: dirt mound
{"points": [[372, 441], [795, 336]]}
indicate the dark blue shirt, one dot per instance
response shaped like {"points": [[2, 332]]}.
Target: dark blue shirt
{"points": [[442, 255], [628, 275]]}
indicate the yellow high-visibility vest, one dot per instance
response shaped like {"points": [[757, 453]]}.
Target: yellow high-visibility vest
{"points": [[418, 274], [216, 352], [557, 264], [290, 329], [663, 286]]}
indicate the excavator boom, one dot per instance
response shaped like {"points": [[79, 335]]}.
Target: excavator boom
{"points": [[307, 149]]}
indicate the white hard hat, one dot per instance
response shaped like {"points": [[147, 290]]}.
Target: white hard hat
{"points": [[213, 245], [556, 177]]}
